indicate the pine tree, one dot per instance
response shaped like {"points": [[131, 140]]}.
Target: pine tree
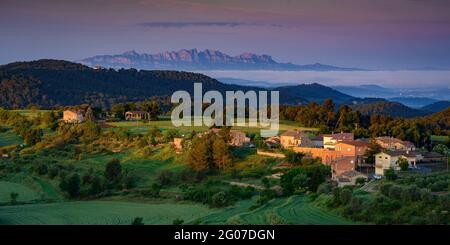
{"points": [[89, 114], [199, 156], [221, 154]]}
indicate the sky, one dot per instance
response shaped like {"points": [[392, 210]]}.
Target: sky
{"points": [[373, 34]]}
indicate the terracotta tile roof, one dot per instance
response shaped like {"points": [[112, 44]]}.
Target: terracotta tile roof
{"points": [[295, 134], [343, 136], [350, 174], [402, 153], [357, 143]]}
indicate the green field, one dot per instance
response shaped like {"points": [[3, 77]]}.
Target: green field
{"points": [[9, 138], [26, 193], [30, 112], [100, 212], [293, 210]]}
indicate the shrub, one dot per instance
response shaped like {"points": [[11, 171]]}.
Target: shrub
{"points": [[42, 169], [113, 170], [324, 188], [165, 177], [154, 191], [53, 172], [360, 181], [14, 196], [403, 163], [71, 185], [138, 221], [307, 177], [219, 200], [177, 221], [130, 181], [390, 174], [96, 186]]}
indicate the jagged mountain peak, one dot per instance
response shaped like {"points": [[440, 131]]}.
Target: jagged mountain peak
{"points": [[194, 59]]}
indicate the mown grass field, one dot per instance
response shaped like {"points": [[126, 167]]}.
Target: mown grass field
{"points": [[99, 212], [9, 138], [26, 193], [293, 210]]}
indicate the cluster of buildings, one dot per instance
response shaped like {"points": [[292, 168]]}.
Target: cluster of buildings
{"points": [[341, 150], [345, 154]]}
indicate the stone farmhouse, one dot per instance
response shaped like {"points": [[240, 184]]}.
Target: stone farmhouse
{"points": [[295, 139], [73, 116]]}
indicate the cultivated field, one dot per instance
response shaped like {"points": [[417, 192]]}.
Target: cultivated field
{"points": [[100, 212], [26, 193], [8, 138], [293, 210]]}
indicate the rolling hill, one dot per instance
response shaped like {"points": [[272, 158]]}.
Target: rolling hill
{"points": [[437, 106], [414, 102], [49, 83], [388, 108]]}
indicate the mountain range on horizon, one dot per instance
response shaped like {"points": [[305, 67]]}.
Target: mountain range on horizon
{"points": [[208, 59]]}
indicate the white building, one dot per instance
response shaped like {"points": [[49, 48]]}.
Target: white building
{"points": [[388, 159]]}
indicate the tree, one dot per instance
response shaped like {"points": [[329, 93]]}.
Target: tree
{"points": [[221, 153], [14, 196], [199, 155], [169, 134], [220, 199], [118, 110], [294, 158], [96, 186], [113, 171], [89, 115], [32, 136], [304, 178], [154, 191], [373, 149], [300, 182], [402, 163], [441, 149], [152, 108], [390, 174], [259, 142], [177, 221], [71, 185], [138, 221], [165, 177]]}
